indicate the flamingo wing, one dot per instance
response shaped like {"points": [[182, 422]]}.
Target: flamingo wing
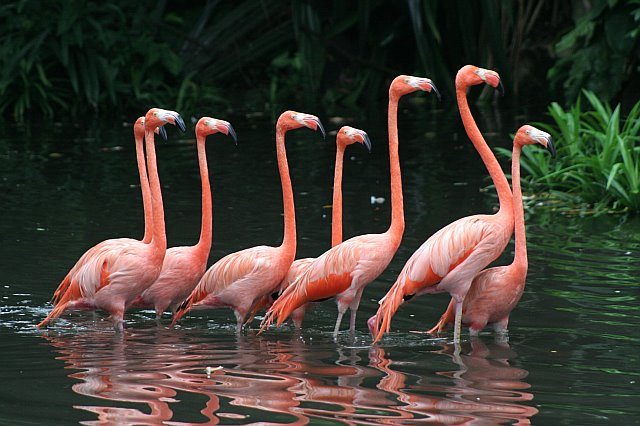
{"points": [[88, 277], [470, 240], [87, 257], [359, 259], [233, 269]]}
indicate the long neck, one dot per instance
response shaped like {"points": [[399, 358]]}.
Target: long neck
{"points": [[489, 160], [204, 244], [518, 209], [289, 240], [146, 192], [159, 238], [397, 207], [336, 209]]}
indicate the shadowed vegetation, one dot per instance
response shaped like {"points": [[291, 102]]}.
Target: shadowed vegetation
{"points": [[73, 57]]}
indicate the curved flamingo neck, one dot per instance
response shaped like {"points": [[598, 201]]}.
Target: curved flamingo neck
{"points": [[159, 237], [336, 209], [518, 209], [489, 160], [206, 227], [289, 240], [146, 192], [396, 229]]}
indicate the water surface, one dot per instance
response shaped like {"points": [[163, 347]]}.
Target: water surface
{"points": [[571, 356]]}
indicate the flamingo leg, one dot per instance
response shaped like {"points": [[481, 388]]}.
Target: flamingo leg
{"points": [[338, 321], [118, 321], [239, 322], [458, 322], [355, 303]]}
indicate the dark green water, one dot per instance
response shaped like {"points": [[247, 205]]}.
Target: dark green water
{"points": [[572, 354]]}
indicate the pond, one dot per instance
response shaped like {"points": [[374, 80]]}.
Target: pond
{"points": [[572, 352]]}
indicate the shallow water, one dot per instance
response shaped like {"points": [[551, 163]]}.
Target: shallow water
{"points": [[571, 356]]}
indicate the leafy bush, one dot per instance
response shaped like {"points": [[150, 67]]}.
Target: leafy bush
{"points": [[600, 53], [70, 57], [598, 160]]}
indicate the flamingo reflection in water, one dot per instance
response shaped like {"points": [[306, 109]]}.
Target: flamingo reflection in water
{"points": [[111, 369], [484, 388], [150, 376], [151, 366]]}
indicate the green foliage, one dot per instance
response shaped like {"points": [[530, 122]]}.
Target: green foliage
{"points": [[598, 160], [62, 57], [598, 52]]}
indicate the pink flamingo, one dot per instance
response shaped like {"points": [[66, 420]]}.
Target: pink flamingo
{"points": [[241, 279], [113, 277], [183, 266], [345, 137], [453, 256], [138, 132], [495, 292], [345, 269]]}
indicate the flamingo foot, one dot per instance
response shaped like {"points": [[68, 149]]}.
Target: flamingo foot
{"points": [[372, 324]]}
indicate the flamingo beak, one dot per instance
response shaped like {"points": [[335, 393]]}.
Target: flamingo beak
{"points": [[492, 79], [435, 90], [226, 128], [427, 85], [232, 133], [550, 147], [313, 122], [162, 132], [365, 140], [180, 123]]}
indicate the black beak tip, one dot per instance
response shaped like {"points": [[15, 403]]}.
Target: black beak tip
{"points": [[435, 90], [162, 132], [551, 148], [367, 142], [232, 133], [500, 88], [324, 134], [180, 123]]}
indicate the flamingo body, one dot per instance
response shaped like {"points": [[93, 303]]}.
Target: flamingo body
{"points": [[184, 266], [341, 272], [345, 269], [138, 132], [346, 136], [181, 270], [450, 259], [495, 292], [115, 273], [239, 280], [243, 279]]}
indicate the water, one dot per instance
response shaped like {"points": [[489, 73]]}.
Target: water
{"points": [[571, 356]]}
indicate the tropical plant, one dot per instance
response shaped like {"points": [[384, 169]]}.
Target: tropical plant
{"points": [[598, 161], [600, 53], [77, 56]]}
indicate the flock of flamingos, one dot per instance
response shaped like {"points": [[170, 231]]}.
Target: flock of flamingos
{"points": [[120, 274]]}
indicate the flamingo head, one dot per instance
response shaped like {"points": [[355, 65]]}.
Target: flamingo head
{"points": [[470, 75], [208, 126], [348, 135], [529, 135], [138, 130], [290, 120], [157, 117], [405, 84]]}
